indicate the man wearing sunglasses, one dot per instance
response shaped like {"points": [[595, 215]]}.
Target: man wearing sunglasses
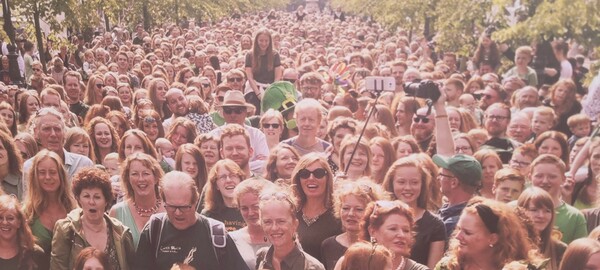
{"points": [[491, 94], [235, 110], [422, 127], [183, 235], [236, 79]]}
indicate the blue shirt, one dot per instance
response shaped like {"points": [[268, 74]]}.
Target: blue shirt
{"points": [[450, 216]]}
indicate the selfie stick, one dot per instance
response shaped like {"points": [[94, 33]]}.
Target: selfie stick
{"points": [[373, 108]]}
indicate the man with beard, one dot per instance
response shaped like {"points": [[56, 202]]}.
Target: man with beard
{"points": [[235, 110], [422, 128], [49, 132], [497, 117], [492, 93], [310, 85], [178, 105], [235, 145]]}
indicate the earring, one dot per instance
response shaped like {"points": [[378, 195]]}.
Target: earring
{"points": [[491, 245], [294, 237], [265, 238], [373, 240]]}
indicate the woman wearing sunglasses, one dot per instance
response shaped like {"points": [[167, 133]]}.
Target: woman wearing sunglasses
{"points": [[279, 222], [390, 223], [271, 124], [312, 182]]}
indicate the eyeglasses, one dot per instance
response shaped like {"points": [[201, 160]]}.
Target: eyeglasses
{"points": [[228, 176], [421, 118], [235, 79], [206, 85], [182, 208], [497, 117], [100, 85], [236, 110], [317, 173], [520, 163], [267, 125]]}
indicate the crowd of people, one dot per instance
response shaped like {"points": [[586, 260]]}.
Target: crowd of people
{"points": [[256, 143]]}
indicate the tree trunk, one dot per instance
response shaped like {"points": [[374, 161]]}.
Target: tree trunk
{"points": [[146, 16], [38, 36]]}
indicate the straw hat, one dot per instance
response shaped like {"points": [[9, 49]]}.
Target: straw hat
{"points": [[235, 98]]}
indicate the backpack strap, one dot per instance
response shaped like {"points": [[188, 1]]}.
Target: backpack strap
{"points": [[218, 235]]}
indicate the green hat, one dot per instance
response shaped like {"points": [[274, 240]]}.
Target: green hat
{"points": [[465, 168], [280, 96]]}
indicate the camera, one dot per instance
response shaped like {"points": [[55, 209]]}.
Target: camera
{"points": [[423, 89]]}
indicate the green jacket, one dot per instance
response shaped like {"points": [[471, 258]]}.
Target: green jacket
{"points": [[68, 241]]}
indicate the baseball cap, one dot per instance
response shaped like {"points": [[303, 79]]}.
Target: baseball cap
{"points": [[466, 168]]}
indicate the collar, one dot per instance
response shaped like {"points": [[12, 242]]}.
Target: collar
{"points": [[69, 157], [12, 179], [289, 260]]}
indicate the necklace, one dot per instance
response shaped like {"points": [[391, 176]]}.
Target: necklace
{"points": [[146, 212], [310, 221], [402, 263]]}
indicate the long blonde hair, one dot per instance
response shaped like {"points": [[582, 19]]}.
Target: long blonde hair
{"points": [[37, 199]]}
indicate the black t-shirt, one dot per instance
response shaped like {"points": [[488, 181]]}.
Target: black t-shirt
{"points": [[264, 75], [175, 246], [80, 109], [231, 217], [312, 236], [331, 252], [429, 229]]}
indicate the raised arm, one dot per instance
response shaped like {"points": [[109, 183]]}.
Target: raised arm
{"points": [[443, 134]]}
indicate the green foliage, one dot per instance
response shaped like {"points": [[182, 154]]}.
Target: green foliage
{"points": [[457, 23]]}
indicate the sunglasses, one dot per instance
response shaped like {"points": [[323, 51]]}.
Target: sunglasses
{"points": [[37, 69], [99, 85], [236, 110], [265, 125], [421, 119], [149, 119], [317, 173], [235, 79], [206, 85]]}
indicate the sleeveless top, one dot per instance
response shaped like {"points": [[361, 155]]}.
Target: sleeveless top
{"points": [[42, 235], [123, 214]]}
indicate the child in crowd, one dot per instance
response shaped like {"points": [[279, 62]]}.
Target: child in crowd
{"points": [[521, 69], [548, 173], [111, 163], [469, 102], [508, 185], [580, 125], [543, 120], [165, 148]]}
